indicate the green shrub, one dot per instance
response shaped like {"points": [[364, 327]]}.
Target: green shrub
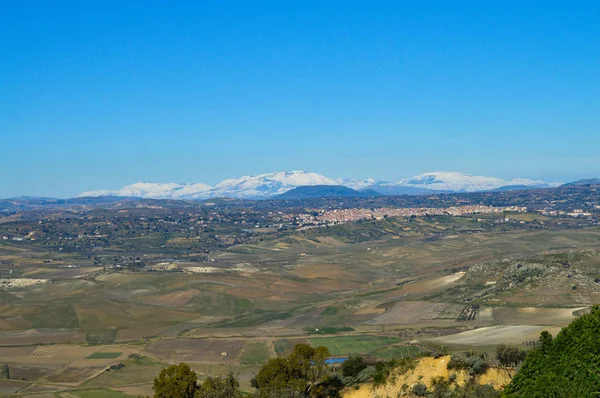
{"points": [[353, 366], [419, 389]]}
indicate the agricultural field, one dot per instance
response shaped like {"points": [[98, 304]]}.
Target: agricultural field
{"points": [[136, 370], [102, 316], [96, 393], [284, 347], [255, 353], [105, 355], [494, 335], [218, 351], [346, 345]]}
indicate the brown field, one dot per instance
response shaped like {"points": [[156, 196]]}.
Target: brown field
{"points": [[250, 292], [40, 391], [39, 336], [534, 316], [174, 299], [137, 390], [139, 333], [10, 386], [427, 286], [14, 324], [370, 307], [45, 351], [12, 352], [197, 350], [315, 286], [93, 314], [407, 312], [51, 356], [494, 335], [325, 271], [74, 375], [137, 370], [31, 373]]}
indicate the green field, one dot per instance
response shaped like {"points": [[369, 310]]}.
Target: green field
{"points": [[345, 345], [255, 353], [104, 355], [395, 352], [329, 329]]}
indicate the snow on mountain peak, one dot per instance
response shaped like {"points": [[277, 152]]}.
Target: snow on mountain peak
{"points": [[154, 190], [462, 182], [268, 184], [271, 184]]}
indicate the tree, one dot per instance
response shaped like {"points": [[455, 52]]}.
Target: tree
{"points": [[176, 381], [308, 363], [302, 374], [510, 356], [353, 366], [219, 387]]}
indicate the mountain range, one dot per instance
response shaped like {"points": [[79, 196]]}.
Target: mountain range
{"points": [[273, 184]]}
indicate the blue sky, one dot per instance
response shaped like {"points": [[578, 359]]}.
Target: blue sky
{"points": [[98, 95]]}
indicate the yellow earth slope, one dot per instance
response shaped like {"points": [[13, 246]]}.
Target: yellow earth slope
{"points": [[424, 372]]}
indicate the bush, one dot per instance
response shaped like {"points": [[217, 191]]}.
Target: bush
{"points": [[479, 367], [366, 374], [472, 363], [384, 369], [509, 355], [457, 361], [353, 366], [419, 389]]}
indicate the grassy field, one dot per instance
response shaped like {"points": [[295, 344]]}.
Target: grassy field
{"points": [[255, 353], [104, 355], [389, 352], [284, 347], [345, 345]]}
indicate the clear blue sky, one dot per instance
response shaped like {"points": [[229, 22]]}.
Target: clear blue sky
{"points": [[101, 94]]}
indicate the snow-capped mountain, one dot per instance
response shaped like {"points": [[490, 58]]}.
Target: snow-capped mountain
{"points": [[258, 186], [154, 190], [272, 184], [461, 182]]}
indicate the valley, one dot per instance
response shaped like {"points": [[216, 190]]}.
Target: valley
{"points": [[95, 298]]}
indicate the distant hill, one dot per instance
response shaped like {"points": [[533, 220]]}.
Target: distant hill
{"points": [[513, 188], [588, 181], [322, 191], [31, 202]]}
